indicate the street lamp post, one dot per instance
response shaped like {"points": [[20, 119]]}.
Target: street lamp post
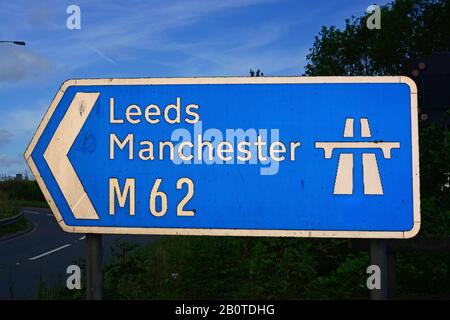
{"points": [[19, 43]]}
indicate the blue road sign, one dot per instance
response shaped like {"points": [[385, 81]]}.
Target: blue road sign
{"points": [[268, 156]]}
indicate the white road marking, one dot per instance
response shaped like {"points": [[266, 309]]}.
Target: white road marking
{"points": [[82, 238], [49, 252], [38, 213], [32, 212]]}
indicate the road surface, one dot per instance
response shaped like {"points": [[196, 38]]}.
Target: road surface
{"points": [[43, 254]]}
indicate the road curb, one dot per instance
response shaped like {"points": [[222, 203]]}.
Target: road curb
{"points": [[11, 220], [30, 227]]}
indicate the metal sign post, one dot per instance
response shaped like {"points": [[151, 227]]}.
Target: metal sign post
{"points": [[94, 272], [379, 257]]}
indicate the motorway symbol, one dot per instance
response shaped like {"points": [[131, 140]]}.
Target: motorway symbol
{"points": [[232, 156], [371, 176]]}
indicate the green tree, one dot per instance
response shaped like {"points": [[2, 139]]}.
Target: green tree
{"points": [[409, 29]]}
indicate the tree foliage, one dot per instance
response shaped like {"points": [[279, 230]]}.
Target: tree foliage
{"points": [[21, 190], [409, 29]]}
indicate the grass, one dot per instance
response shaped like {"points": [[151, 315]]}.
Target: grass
{"points": [[20, 225], [31, 203], [8, 208], [11, 204]]}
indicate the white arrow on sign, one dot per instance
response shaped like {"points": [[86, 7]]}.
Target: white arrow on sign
{"points": [[57, 159]]}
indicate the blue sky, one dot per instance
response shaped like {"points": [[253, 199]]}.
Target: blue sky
{"points": [[153, 38]]}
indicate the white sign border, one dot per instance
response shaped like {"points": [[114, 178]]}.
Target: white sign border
{"points": [[237, 232]]}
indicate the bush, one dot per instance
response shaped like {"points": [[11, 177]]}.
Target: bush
{"points": [[8, 207]]}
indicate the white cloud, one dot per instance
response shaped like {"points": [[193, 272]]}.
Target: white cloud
{"points": [[5, 137], [127, 29], [18, 63], [6, 161], [23, 121]]}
